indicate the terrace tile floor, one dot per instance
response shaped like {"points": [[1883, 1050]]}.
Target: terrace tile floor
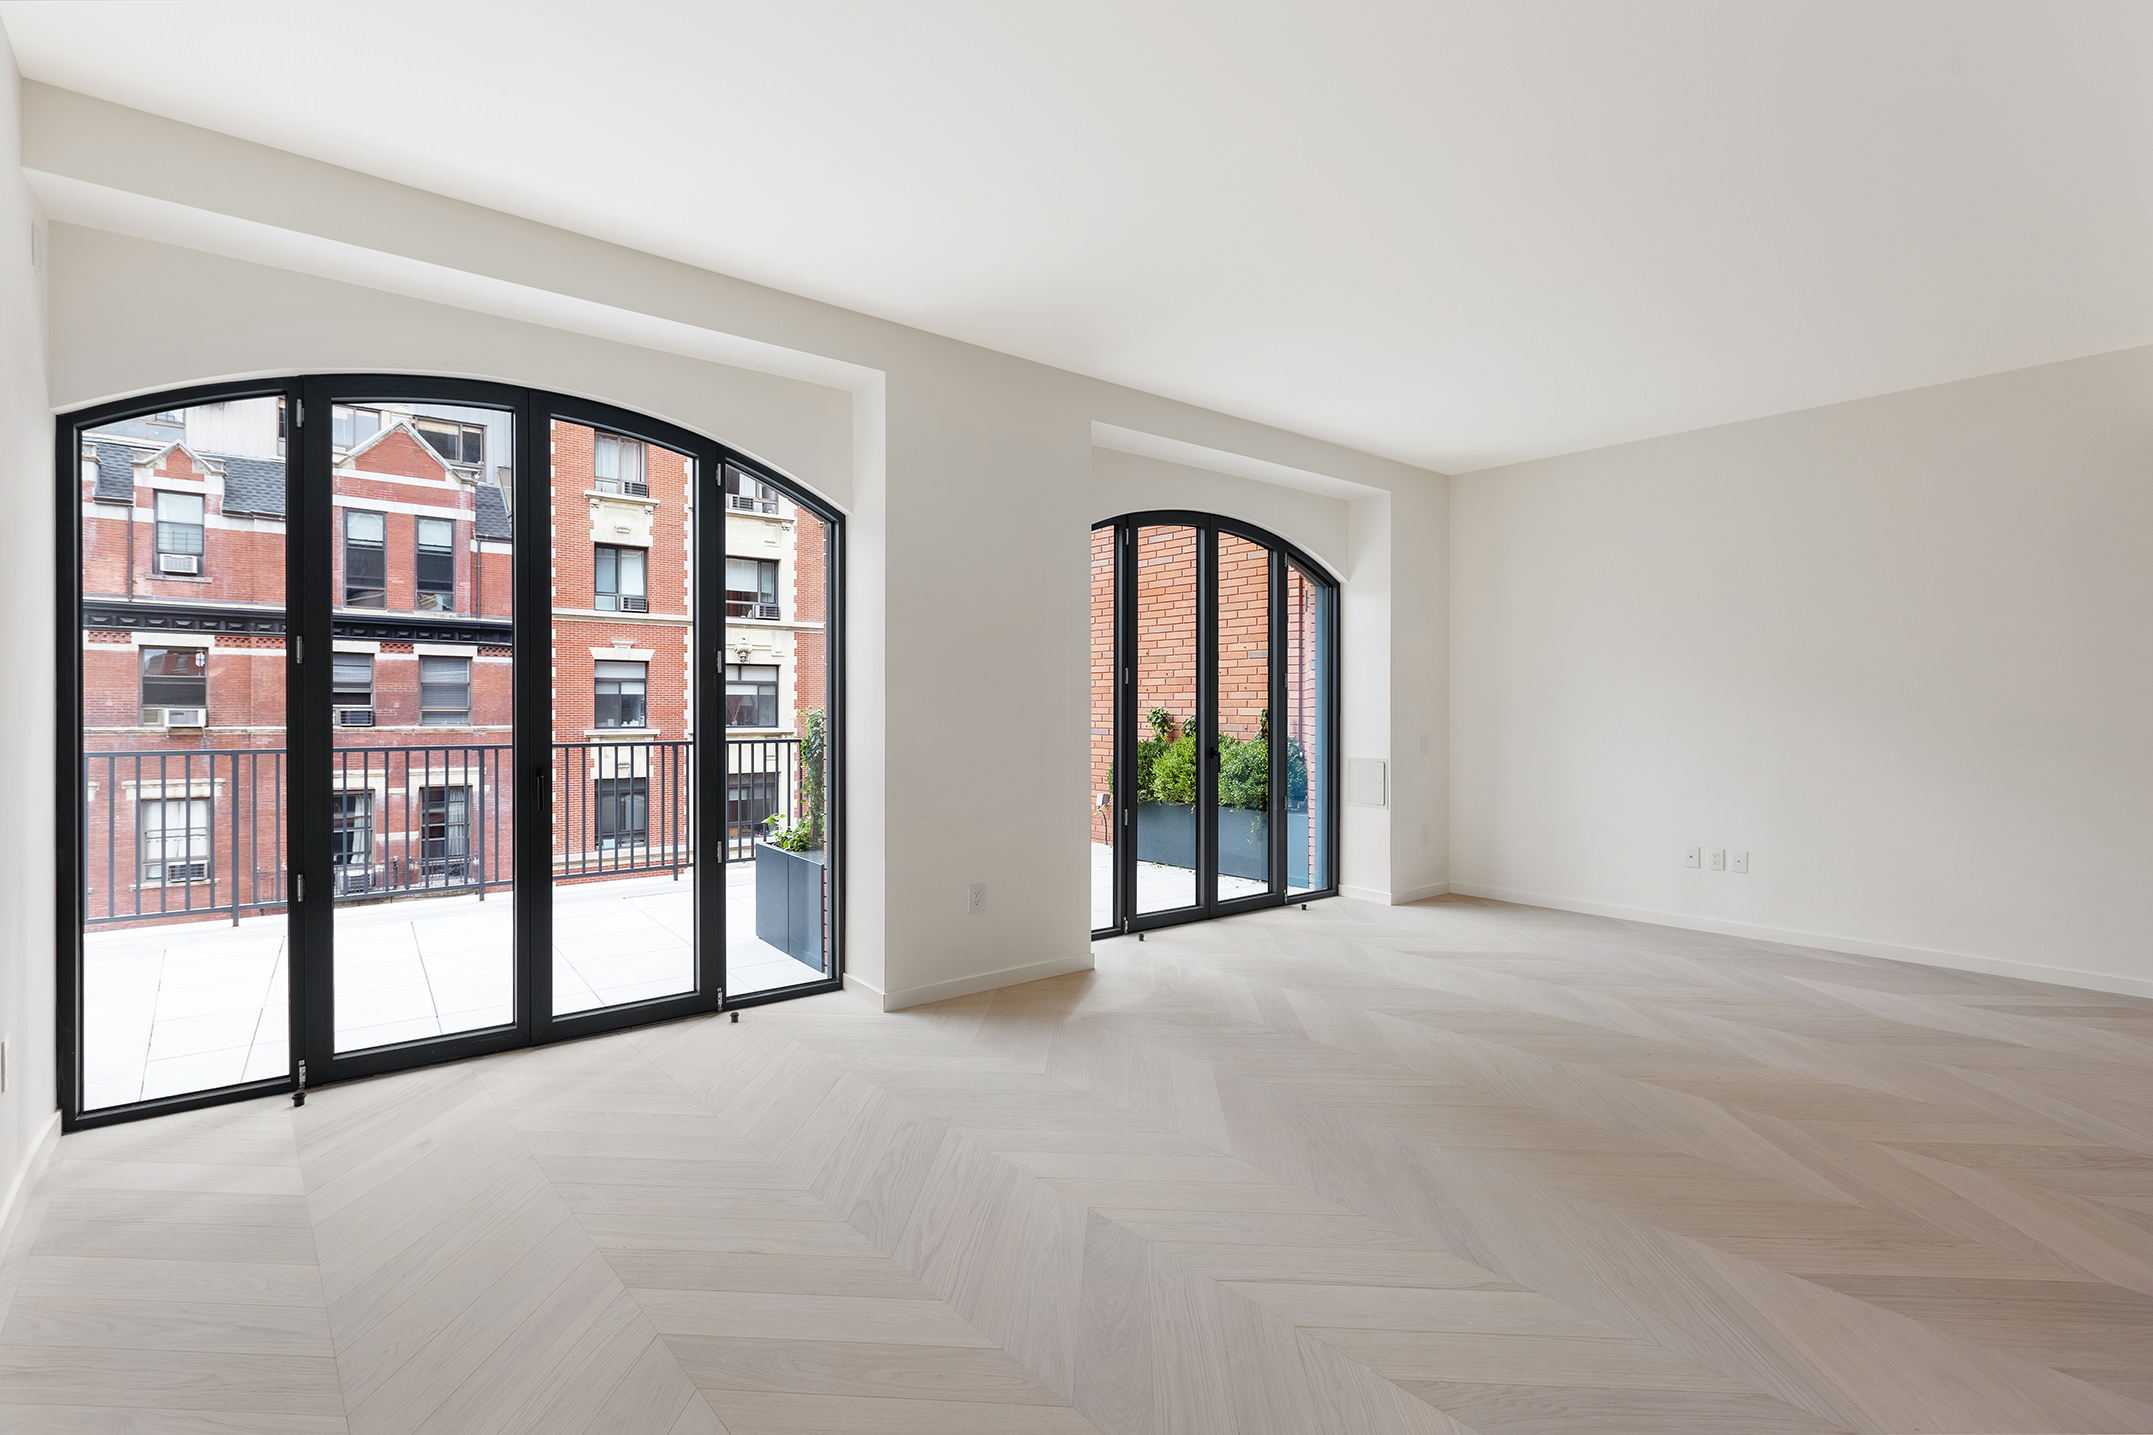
{"points": [[1159, 887], [192, 1006]]}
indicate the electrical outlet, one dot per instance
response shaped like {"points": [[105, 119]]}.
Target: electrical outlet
{"points": [[1692, 857], [978, 898], [1719, 859], [1740, 862]]}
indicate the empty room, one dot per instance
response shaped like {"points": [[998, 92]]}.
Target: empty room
{"points": [[1355, 719]]}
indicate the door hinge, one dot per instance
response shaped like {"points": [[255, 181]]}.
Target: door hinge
{"points": [[302, 406], [299, 649], [299, 1095], [299, 887]]}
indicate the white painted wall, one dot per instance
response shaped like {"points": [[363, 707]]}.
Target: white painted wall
{"points": [[967, 476], [28, 1108], [1900, 650]]}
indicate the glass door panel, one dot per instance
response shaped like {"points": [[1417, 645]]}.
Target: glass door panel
{"points": [[622, 641], [1244, 718], [1167, 765], [778, 896], [1308, 757], [183, 804], [420, 807], [1104, 685]]}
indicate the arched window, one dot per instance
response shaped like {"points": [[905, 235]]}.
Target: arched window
{"points": [[417, 719], [1214, 700]]}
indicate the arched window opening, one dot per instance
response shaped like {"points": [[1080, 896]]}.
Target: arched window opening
{"points": [[1214, 687], [417, 719]]}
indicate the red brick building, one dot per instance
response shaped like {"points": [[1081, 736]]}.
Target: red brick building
{"points": [[185, 712]]}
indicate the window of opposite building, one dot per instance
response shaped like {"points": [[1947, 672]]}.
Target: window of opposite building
{"points": [[445, 845], [179, 533], [175, 839], [458, 443], [750, 695], [618, 465], [619, 578], [622, 694], [174, 680], [349, 427], [351, 682], [351, 838], [747, 493], [366, 559], [751, 588], [436, 567], [623, 811], [445, 692]]}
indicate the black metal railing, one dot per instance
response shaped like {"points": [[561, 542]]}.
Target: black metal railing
{"points": [[194, 834], [431, 817]]}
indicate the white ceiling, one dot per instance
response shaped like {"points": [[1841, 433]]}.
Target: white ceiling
{"points": [[1458, 232]]}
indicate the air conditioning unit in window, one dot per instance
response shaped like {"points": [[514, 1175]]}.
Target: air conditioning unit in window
{"points": [[763, 610], [355, 717], [183, 872], [186, 717], [631, 604], [179, 563]]}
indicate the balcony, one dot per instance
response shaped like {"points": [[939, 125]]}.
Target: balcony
{"points": [[185, 949]]}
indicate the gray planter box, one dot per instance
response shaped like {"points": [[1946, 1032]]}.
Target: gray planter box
{"points": [[1166, 834], [789, 902]]}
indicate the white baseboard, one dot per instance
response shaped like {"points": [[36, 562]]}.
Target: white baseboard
{"points": [[1396, 899], [904, 997], [18, 1191], [1824, 941]]}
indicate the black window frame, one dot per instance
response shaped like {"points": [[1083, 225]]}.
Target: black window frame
{"points": [[1128, 722], [309, 624]]}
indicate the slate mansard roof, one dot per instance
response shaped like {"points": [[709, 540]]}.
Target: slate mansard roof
{"points": [[256, 486]]}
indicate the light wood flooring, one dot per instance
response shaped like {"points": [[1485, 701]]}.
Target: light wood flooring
{"points": [[1455, 1167]]}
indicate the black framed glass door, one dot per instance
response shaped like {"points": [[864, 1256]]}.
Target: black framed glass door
{"points": [[386, 731], [1214, 687]]}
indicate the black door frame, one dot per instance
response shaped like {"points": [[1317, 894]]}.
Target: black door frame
{"points": [[309, 739], [1209, 527]]}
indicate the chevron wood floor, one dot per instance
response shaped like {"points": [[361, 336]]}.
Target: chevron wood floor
{"points": [[1456, 1167]]}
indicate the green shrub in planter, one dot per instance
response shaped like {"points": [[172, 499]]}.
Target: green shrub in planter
{"points": [[1244, 773], [1173, 772]]}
